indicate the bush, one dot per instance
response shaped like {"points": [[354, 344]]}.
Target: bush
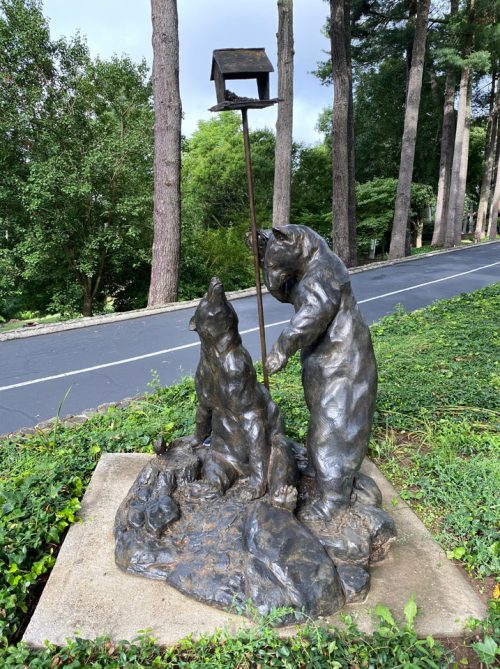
{"points": [[212, 252], [375, 201]]}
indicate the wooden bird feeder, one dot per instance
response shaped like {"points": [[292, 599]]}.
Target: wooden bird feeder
{"points": [[230, 64]]}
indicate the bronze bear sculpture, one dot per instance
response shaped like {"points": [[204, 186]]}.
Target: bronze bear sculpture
{"points": [[247, 437], [213, 513], [339, 371]]}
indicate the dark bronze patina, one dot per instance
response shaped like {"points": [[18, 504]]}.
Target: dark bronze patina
{"points": [[213, 514], [234, 410], [339, 372]]}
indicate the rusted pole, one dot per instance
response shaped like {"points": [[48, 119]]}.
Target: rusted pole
{"points": [[255, 247]]}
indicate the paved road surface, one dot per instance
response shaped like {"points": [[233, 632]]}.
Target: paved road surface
{"points": [[108, 362]]}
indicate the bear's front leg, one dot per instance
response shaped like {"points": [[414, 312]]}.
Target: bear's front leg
{"points": [[254, 488], [276, 360], [255, 432], [203, 424]]}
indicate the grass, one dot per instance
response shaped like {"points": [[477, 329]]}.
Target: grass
{"points": [[22, 322], [436, 437]]}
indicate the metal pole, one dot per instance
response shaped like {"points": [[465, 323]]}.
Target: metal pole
{"points": [[255, 247]]}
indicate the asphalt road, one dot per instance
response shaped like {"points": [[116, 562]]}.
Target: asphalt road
{"points": [[107, 363]]}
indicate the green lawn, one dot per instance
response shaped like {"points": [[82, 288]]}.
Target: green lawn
{"points": [[436, 438]]}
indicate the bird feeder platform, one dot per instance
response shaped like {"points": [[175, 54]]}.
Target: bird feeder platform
{"points": [[243, 103]]}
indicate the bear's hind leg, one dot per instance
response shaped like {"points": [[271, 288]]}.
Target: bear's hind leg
{"points": [[335, 461], [282, 474], [217, 476]]}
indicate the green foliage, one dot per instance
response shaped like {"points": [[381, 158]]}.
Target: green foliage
{"points": [[214, 186], [451, 474], [488, 648], [438, 404], [447, 356], [212, 252], [482, 25], [26, 55], [477, 143], [382, 39], [43, 476], [76, 162], [378, 126], [88, 193], [390, 646], [312, 188], [375, 208], [215, 211], [375, 199], [478, 61]]}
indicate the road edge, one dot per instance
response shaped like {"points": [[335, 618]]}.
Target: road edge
{"points": [[105, 319]]}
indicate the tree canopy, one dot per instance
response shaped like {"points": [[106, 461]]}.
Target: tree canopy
{"points": [[77, 153], [76, 156]]}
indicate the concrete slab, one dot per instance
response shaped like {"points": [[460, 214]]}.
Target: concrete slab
{"points": [[88, 596]]}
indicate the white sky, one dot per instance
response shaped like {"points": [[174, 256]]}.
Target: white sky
{"points": [[124, 27]]}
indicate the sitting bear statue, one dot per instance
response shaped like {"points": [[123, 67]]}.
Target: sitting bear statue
{"points": [[247, 437]]}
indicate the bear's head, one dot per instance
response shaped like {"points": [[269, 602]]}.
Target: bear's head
{"points": [[215, 319], [288, 252]]}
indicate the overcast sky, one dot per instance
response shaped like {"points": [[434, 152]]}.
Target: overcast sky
{"points": [[124, 27]]}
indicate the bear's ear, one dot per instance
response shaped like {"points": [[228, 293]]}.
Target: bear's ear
{"points": [[192, 324], [281, 234]]}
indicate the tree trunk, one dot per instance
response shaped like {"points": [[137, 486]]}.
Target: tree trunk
{"points": [[460, 161], [353, 249], [495, 203], [167, 154], [464, 164], [412, 6], [419, 228], [461, 149], [489, 159], [284, 123], [400, 222], [88, 298], [446, 160], [343, 202]]}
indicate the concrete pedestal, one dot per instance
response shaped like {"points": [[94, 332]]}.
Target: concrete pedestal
{"points": [[88, 596]]}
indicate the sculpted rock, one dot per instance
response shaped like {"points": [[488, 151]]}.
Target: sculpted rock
{"points": [[287, 565], [160, 513], [355, 582]]}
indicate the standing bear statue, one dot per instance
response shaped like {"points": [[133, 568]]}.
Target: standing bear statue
{"points": [[339, 372]]}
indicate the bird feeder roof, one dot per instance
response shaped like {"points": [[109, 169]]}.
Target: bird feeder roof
{"points": [[240, 63]]}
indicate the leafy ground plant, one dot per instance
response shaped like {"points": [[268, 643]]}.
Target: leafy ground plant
{"points": [[310, 647], [436, 437]]}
